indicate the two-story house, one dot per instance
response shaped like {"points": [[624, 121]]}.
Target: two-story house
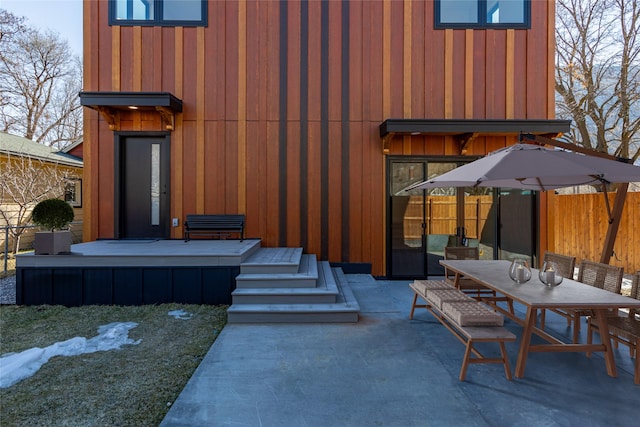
{"points": [[311, 117]]}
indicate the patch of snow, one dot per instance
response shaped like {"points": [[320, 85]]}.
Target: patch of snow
{"points": [[181, 314], [15, 367]]}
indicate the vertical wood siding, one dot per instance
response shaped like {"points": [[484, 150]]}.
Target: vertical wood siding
{"points": [[282, 103]]}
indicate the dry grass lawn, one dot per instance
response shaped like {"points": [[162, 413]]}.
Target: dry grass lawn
{"points": [[133, 386]]}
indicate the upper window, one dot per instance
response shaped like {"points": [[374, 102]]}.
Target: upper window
{"points": [[188, 13], [482, 13]]}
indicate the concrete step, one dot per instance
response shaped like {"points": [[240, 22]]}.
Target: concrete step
{"points": [[306, 277], [325, 292], [344, 310], [272, 260]]}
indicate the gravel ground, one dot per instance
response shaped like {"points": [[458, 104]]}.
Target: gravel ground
{"points": [[8, 290]]}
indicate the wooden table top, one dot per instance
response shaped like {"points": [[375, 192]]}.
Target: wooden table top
{"points": [[534, 293]]}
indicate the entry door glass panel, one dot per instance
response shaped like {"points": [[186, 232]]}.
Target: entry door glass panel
{"points": [[155, 184], [407, 220], [143, 189]]}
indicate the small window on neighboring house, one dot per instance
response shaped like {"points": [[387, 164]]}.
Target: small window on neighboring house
{"points": [[73, 192], [187, 13], [482, 13]]}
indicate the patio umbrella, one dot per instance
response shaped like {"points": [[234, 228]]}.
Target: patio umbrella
{"points": [[532, 167]]}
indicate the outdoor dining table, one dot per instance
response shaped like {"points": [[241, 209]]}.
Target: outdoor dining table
{"points": [[535, 295]]}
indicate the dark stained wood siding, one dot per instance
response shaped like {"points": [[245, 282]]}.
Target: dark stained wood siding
{"points": [[282, 102]]}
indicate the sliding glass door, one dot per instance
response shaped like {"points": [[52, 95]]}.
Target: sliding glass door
{"points": [[421, 223]]}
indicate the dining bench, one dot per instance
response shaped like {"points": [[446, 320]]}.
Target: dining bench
{"points": [[470, 321], [213, 226]]}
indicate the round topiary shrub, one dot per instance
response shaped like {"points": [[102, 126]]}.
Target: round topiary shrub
{"points": [[52, 214]]}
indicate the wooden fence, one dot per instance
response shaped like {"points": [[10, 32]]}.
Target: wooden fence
{"points": [[578, 226], [441, 215]]}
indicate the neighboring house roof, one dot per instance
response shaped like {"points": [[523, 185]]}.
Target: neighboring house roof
{"points": [[17, 145], [74, 149]]}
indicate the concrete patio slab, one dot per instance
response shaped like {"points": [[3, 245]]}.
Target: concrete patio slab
{"points": [[387, 370]]}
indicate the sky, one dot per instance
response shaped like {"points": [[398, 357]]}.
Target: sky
{"points": [[61, 16]]}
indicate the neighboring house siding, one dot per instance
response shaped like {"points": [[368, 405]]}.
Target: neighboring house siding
{"points": [[282, 103], [13, 150]]}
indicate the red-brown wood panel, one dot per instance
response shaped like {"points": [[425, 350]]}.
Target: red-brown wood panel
{"points": [[314, 188], [366, 50], [105, 184], [168, 62], [335, 191], [189, 168], [490, 81], [536, 60], [397, 57], [126, 59], [271, 210], [214, 65], [214, 166], [293, 184], [149, 70], [373, 73], [314, 51], [189, 85], [521, 73], [230, 167], [335, 60], [355, 61], [231, 60], [273, 70], [356, 194], [265, 21], [479, 74], [293, 61], [459, 49], [418, 46], [257, 185], [104, 48], [499, 56], [256, 40], [434, 59]]}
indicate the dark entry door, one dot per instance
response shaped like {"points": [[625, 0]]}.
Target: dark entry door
{"points": [[144, 187]]}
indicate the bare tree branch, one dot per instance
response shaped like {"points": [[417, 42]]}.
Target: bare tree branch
{"points": [[597, 73], [39, 84]]}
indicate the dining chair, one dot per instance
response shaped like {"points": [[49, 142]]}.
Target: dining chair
{"points": [[566, 266], [603, 276], [468, 286], [624, 329]]}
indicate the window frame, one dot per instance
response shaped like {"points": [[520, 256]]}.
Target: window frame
{"points": [[158, 21], [481, 22], [73, 192]]}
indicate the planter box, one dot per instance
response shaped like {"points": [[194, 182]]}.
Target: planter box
{"points": [[52, 242]]}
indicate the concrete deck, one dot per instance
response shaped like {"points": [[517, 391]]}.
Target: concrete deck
{"points": [[147, 253], [389, 371]]}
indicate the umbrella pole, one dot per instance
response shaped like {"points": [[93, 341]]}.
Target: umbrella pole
{"points": [[614, 221]]}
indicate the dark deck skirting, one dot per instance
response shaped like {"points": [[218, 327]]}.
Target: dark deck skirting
{"points": [[133, 273]]}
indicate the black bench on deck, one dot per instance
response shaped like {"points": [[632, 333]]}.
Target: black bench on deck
{"points": [[213, 225]]}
